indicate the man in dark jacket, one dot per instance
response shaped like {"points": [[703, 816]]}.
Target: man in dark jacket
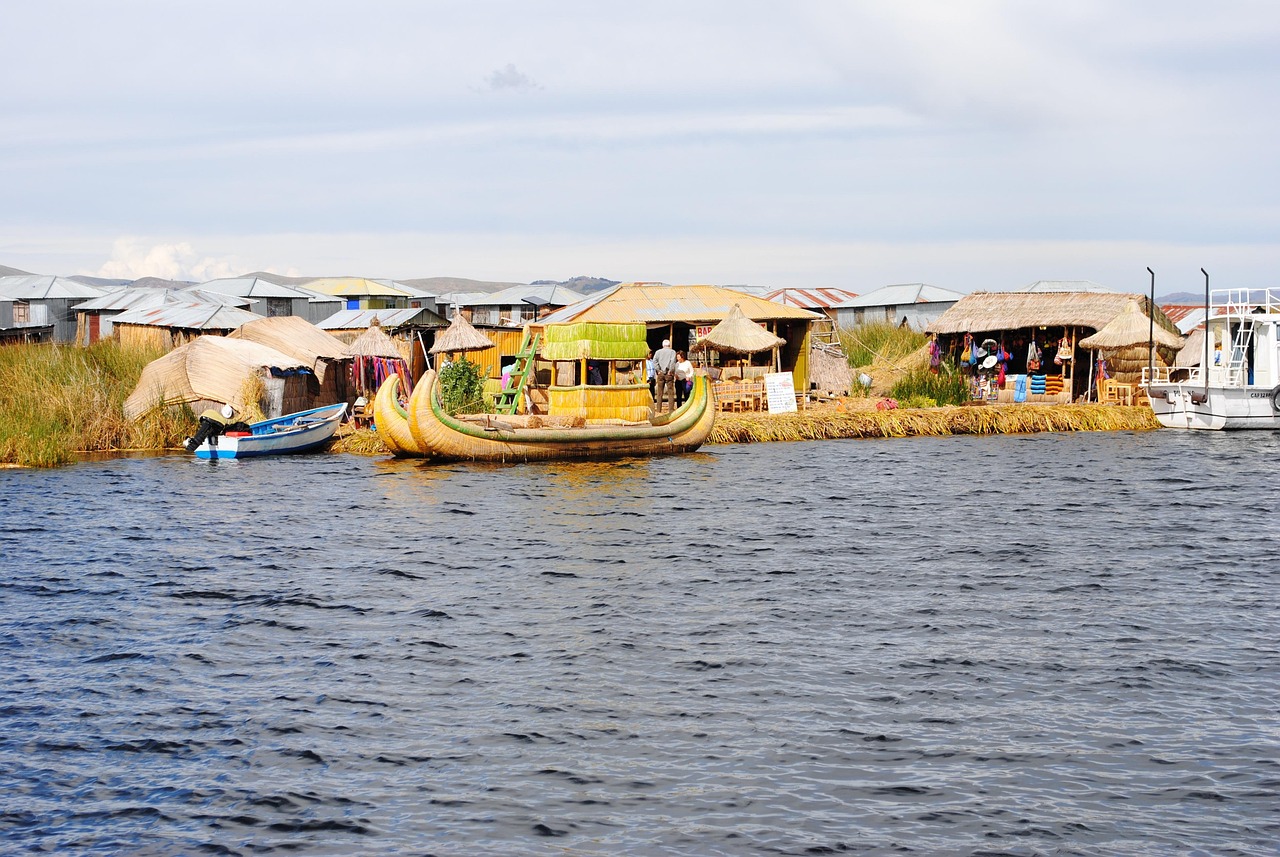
{"points": [[664, 368]]}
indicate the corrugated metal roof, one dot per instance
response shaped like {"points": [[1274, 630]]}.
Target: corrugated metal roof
{"points": [[1186, 317], [360, 319], [34, 287], [808, 298], [358, 287], [141, 298], [193, 316], [903, 294], [655, 302], [250, 287], [514, 296]]}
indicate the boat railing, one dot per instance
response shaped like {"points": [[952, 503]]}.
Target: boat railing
{"points": [[1190, 375], [1238, 303]]}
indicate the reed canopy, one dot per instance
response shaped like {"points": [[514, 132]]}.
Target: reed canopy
{"points": [[460, 337], [737, 334], [1131, 327], [375, 357], [374, 342], [590, 340]]}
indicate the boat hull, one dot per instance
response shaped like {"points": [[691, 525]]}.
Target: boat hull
{"points": [[292, 434], [1186, 406], [446, 438], [392, 421]]}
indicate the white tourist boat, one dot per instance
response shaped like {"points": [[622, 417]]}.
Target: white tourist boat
{"points": [[1237, 384]]}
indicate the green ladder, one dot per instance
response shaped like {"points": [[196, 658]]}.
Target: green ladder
{"points": [[508, 401]]}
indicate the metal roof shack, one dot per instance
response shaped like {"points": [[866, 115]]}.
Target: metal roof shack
{"points": [[515, 305], [95, 318], [42, 307], [911, 304], [275, 299], [167, 327]]}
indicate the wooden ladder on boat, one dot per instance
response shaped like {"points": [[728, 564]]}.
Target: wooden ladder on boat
{"points": [[508, 401]]}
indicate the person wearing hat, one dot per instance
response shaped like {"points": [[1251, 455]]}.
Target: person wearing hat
{"points": [[664, 368], [213, 422]]}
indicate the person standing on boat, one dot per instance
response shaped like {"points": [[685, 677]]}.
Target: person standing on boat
{"points": [[214, 422], [684, 378], [664, 367], [649, 376]]}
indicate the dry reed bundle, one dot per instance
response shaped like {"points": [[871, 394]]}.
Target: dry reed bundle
{"points": [[359, 441], [595, 340], [930, 422], [629, 404]]}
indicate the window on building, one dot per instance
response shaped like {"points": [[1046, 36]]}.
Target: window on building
{"points": [[21, 313]]}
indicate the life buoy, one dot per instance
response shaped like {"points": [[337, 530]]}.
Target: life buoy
{"points": [[1275, 399]]}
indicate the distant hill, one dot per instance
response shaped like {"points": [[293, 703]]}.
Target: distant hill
{"points": [[279, 279], [100, 282], [6, 271], [581, 285], [1183, 298], [448, 285], [157, 283]]}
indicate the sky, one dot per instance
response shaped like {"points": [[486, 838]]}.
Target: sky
{"points": [[971, 144]]}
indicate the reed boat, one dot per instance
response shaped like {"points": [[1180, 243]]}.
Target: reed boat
{"points": [[443, 437], [1237, 384], [304, 431], [391, 420]]}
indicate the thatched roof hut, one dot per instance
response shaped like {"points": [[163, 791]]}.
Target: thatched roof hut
{"points": [[737, 334], [988, 312], [374, 342], [460, 337], [1131, 327], [215, 369], [296, 337]]}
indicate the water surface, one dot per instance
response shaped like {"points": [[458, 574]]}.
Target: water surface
{"points": [[1051, 644]]}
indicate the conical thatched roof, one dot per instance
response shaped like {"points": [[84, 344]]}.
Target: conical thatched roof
{"points": [[740, 335], [374, 342], [1130, 327], [460, 336]]}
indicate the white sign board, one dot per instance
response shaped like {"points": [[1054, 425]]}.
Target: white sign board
{"points": [[780, 390]]}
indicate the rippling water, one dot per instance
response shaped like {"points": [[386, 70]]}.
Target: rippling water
{"points": [[1051, 644]]}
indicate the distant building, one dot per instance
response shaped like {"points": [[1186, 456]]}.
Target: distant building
{"points": [[512, 307], [41, 308], [271, 300], [913, 305], [167, 327], [95, 317], [823, 300]]}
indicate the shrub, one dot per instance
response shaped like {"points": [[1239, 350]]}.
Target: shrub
{"points": [[462, 388]]}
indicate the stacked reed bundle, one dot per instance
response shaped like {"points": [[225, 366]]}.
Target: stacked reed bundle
{"points": [[930, 422], [625, 403]]}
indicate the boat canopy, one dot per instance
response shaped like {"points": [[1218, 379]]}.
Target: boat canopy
{"points": [[593, 340]]}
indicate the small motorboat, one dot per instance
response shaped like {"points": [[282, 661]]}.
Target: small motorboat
{"points": [[305, 431]]}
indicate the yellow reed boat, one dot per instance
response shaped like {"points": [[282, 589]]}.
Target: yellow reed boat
{"points": [[613, 419]]}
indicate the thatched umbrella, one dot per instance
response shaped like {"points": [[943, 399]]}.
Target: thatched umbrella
{"points": [[737, 334], [1131, 327], [461, 337], [376, 357], [1125, 334]]}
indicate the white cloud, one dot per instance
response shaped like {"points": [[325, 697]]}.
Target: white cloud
{"points": [[131, 259], [510, 77]]}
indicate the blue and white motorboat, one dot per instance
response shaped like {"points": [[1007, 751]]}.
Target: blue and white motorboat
{"points": [[305, 431]]}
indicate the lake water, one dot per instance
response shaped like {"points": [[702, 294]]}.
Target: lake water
{"points": [[1049, 644]]}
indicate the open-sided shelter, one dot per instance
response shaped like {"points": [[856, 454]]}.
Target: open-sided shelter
{"points": [[1054, 321], [375, 357], [683, 314]]}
